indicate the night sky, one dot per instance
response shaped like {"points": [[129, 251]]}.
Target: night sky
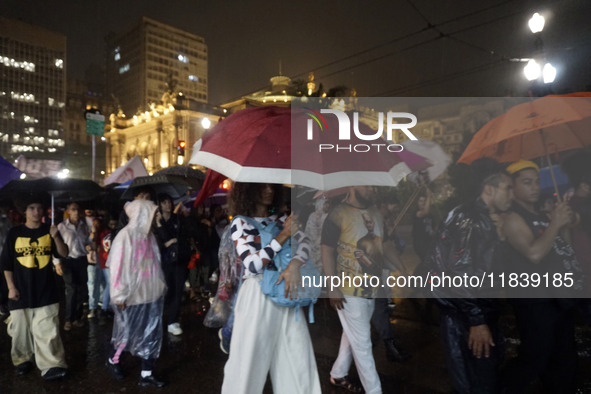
{"points": [[380, 48]]}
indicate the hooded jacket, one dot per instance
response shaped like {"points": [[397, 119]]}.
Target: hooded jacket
{"points": [[134, 260]]}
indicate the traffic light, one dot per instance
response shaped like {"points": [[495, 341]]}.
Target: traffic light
{"points": [[181, 148]]}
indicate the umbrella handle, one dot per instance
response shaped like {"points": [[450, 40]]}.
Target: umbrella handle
{"points": [[406, 207], [550, 165]]}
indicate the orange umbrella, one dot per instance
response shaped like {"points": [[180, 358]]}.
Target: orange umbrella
{"points": [[533, 129]]}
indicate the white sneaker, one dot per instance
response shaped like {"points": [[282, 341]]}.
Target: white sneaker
{"points": [[214, 277], [175, 329]]}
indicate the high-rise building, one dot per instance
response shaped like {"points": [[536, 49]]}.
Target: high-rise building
{"points": [[152, 58], [32, 90]]}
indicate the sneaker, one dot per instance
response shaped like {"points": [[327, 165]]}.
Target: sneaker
{"points": [[151, 381], [214, 277], [67, 326], [24, 368], [91, 314], [175, 329], [116, 370], [224, 345], [55, 373]]}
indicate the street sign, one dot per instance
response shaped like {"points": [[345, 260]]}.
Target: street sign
{"points": [[95, 123]]}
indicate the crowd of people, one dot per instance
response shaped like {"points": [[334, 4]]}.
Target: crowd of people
{"points": [[134, 270]]}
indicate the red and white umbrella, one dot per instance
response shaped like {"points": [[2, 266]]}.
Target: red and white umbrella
{"points": [[270, 145]]}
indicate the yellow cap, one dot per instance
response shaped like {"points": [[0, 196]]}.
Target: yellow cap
{"points": [[522, 165]]}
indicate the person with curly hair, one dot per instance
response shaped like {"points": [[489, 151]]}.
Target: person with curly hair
{"points": [[267, 338]]}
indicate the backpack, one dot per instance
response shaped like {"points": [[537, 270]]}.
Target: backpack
{"points": [[307, 296]]}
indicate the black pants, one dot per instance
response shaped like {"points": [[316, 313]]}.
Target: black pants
{"points": [[3, 289], [76, 282], [547, 350], [175, 275], [467, 373], [380, 320]]}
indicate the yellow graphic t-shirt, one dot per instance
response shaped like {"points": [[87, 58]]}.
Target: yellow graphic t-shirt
{"points": [[356, 234], [28, 253]]}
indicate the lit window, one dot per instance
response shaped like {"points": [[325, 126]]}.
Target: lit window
{"points": [[193, 78], [26, 97], [8, 62], [117, 56], [124, 69], [59, 63], [50, 101]]}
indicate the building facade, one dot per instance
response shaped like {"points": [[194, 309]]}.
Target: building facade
{"points": [[32, 90], [151, 58], [155, 134]]}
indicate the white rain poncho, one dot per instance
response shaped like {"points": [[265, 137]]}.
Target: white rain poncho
{"points": [[138, 282]]}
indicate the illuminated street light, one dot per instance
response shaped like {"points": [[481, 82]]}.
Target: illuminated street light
{"points": [[63, 174], [548, 73], [532, 70], [206, 123], [23, 175], [536, 23]]}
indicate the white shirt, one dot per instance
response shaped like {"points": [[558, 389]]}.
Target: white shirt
{"points": [[76, 237]]}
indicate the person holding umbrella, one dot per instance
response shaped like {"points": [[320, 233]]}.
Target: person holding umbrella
{"points": [[33, 293], [267, 338], [544, 315]]}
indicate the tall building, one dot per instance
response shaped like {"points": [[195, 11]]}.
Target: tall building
{"points": [[32, 90], [152, 58]]}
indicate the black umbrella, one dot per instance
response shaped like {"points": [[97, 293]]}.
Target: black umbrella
{"points": [[170, 185], [68, 189], [186, 174]]}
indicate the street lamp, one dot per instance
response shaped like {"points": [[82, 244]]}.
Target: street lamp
{"points": [[533, 70], [206, 123], [536, 23], [548, 73]]}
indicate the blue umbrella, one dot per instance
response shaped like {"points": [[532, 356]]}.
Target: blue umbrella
{"points": [[546, 184], [8, 172]]}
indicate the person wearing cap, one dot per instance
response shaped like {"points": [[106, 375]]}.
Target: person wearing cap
{"points": [[33, 293], [469, 242], [544, 314]]}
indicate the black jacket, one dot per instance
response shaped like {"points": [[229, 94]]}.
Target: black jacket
{"points": [[466, 243]]}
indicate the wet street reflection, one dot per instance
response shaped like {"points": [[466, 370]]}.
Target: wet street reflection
{"points": [[193, 361]]}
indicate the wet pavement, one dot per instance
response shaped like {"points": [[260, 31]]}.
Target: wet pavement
{"points": [[193, 362]]}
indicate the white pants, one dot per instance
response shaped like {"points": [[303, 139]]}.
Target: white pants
{"points": [[267, 339], [35, 331], [356, 344]]}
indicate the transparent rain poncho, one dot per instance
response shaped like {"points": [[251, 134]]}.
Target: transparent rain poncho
{"points": [[138, 282]]}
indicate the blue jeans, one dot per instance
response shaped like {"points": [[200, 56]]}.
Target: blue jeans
{"points": [[107, 292], [95, 282]]}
